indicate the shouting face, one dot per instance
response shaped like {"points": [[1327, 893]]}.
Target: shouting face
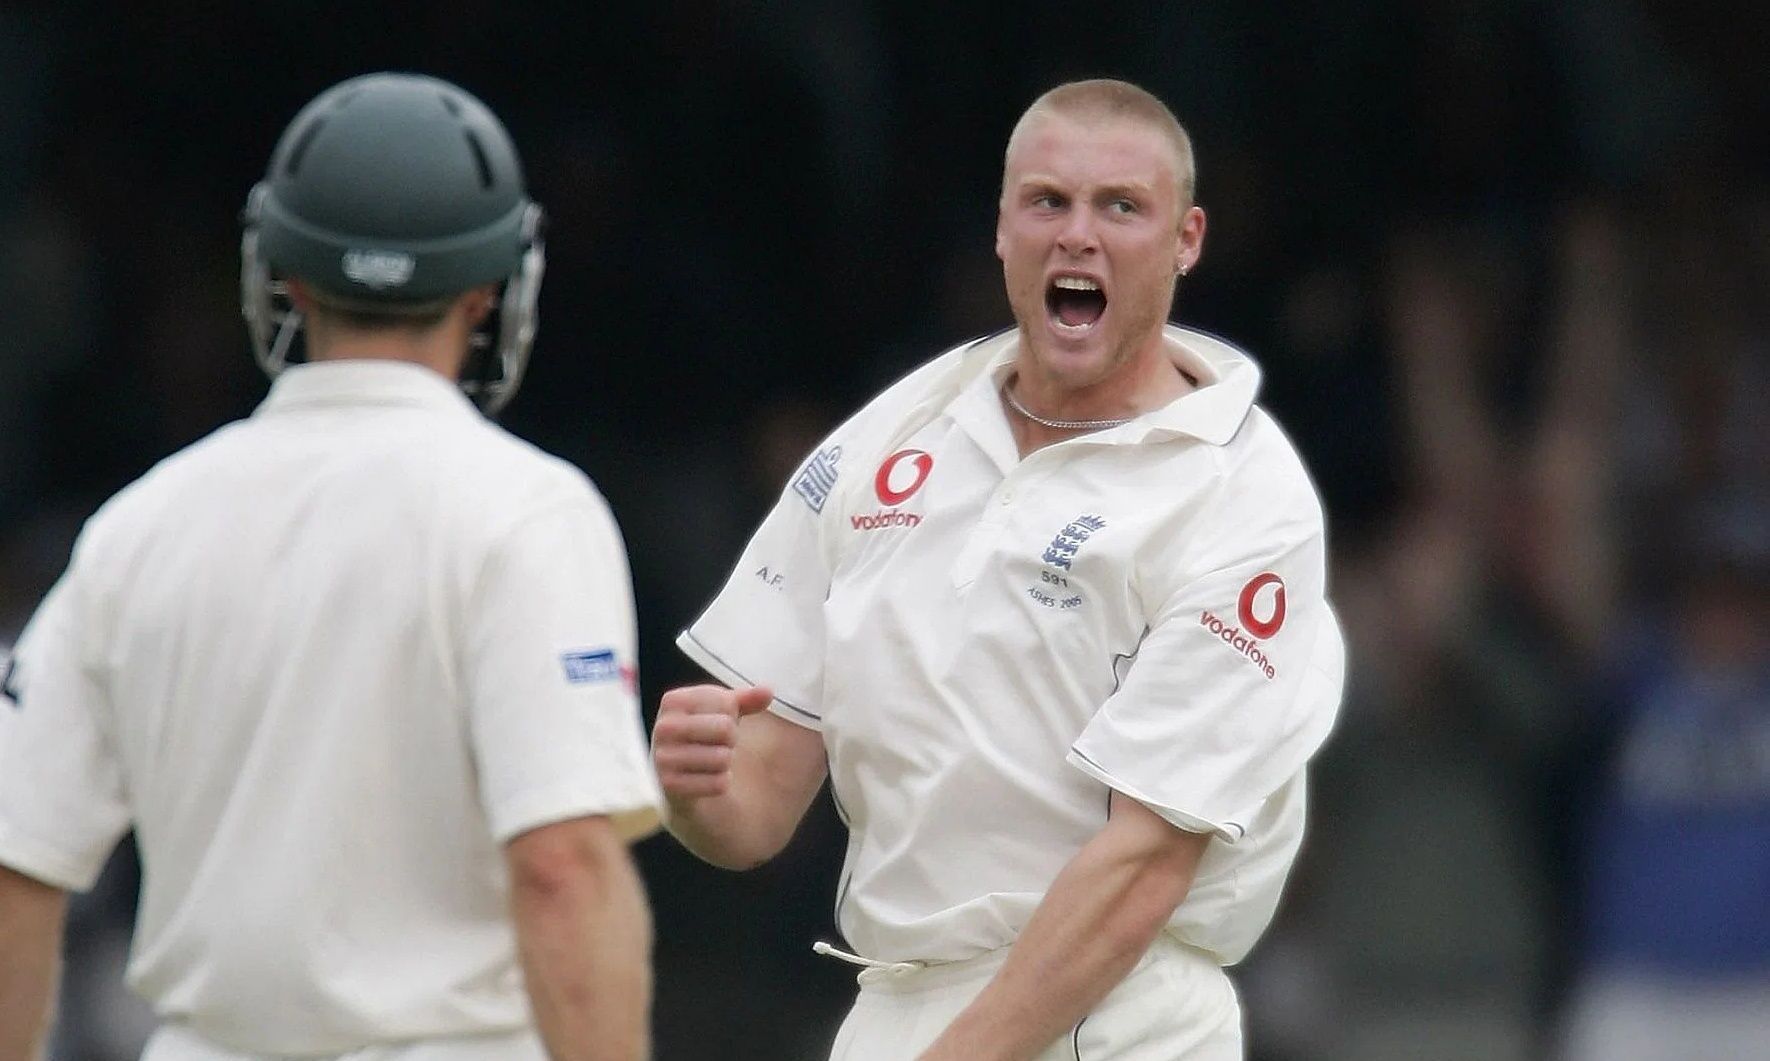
{"points": [[1092, 234]]}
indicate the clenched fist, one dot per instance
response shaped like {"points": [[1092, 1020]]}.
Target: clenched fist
{"points": [[695, 734]]}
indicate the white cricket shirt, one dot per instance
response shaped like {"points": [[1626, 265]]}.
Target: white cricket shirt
{"points": [[988, 644], [326, 661]]}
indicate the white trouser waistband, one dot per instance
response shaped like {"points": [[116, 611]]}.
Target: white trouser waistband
{"points": [[919, 975]]}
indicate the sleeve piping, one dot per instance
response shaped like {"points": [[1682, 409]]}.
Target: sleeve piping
{"points": [[1227, 831], [731, 676]]}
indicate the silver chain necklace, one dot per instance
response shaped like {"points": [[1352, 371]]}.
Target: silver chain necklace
{"points": [[1061, 425]]}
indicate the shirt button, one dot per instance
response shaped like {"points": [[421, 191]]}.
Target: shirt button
{"points": [[1005, 497]]}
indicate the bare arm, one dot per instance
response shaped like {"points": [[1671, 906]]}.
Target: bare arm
{"points": [[583, 932], [738, 779], [31, 917], [1102, 912]]}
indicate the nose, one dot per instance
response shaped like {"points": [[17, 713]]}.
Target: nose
{"points": [[1077, 236]]}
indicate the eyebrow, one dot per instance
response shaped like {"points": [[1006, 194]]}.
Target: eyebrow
{"points": [[1040, 180]]}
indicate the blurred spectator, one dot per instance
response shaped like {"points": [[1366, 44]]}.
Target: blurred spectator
{"points": [[1675, 878]]}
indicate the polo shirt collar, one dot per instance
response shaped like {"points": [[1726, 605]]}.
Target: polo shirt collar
{"points": [[364, 382], [1212, 412], [1228, 381]]}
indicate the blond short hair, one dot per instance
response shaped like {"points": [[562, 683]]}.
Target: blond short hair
{"points": [[1106, 99]]}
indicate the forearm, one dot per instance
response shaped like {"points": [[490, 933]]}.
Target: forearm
{"points": [[31, 916], [585, 947], [1100, 915], [737, 792], [741, 829]]}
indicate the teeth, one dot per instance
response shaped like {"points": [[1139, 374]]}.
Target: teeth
{"points": [[1076, 283]]}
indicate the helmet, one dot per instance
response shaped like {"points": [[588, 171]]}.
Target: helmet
{"points": [[392, 193]]}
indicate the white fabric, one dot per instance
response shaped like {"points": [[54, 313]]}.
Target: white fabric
{"points": [[991, 653], [326, 661], [1176, 1005], [175, 1043]]}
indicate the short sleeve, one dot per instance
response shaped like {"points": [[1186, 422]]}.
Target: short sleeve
{"points": [[1233, 688], [766, 626], [62, 801], [548, 654]]}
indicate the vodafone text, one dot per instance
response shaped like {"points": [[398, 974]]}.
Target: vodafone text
{"points": [[885, 518], [1234, 638]]}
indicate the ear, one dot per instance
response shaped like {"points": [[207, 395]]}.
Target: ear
{"points": [[477, 304], [300, 297], [1190, 241]]}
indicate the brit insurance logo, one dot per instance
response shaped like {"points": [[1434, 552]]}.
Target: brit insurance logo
{"points": [[1260, 612], [898, 479], [595, 666]]}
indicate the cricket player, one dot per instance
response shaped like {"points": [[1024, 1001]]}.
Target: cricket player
{"points": [[357, 669], [1050, 614]]}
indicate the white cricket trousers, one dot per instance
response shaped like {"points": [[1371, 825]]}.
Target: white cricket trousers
{"points": [[174, 1042], [1176, 1005]]}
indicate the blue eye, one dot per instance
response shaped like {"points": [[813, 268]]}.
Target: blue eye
{"points": [[1122, 206]]}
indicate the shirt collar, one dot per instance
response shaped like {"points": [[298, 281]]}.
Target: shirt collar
{"points": [[364, 382], [1212, 412]]}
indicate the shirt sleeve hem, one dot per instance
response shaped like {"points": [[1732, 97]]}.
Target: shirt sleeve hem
{"points": [[730, 676], [43, 863], [1227, 831], [634, 816]]}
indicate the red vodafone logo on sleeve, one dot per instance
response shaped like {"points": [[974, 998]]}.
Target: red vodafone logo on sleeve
{"points": [[1253, 603], [1250, 604], [895, 484]]}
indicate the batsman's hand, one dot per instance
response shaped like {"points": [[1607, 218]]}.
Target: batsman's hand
{"points": [[695, 737]]}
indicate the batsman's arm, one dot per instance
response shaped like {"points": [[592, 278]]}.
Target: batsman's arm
{"points": [[739, 779], [584, 935], [31, 917]]}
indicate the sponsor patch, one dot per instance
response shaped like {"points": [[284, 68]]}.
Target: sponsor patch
{"points": [[897, 479], [815, 481], [377, 268], [591, 665], [1245, 639]]}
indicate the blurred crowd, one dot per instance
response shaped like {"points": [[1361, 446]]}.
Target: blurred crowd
{"points": [[1506, 264]]}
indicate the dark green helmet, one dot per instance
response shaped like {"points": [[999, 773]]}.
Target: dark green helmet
{"points": [[392, 193]]}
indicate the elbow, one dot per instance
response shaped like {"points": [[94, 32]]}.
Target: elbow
{"points": [[559, 862], [1155, 889]]}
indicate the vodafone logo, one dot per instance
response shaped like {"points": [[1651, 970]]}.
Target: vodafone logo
{"points": [[895, 483], [1251, 603]]}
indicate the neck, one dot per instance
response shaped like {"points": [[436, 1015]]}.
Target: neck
{"points": [[1045, 409], [437, 349], [438, 361]]}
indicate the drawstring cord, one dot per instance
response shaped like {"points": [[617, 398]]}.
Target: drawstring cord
{"points": [[829, 951]]}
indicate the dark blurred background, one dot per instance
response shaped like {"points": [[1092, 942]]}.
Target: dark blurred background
{"points": [[1506, 264]]}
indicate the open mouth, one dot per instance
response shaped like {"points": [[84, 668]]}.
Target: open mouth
{"points": [[1075, 303]]}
